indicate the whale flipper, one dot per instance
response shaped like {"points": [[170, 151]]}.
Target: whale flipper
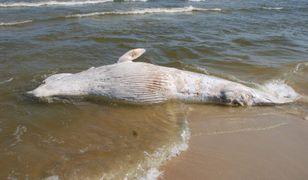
{"points": [[131, 55]]}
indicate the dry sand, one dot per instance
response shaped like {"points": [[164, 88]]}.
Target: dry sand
{"points": [[243, 143]]}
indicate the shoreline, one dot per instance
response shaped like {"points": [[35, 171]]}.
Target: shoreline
{"points": [[240, 143]]}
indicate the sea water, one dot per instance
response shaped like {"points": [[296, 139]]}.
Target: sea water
{"points": [[257, 43]]}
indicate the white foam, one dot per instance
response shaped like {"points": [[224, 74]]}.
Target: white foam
{"points": [[152, 174], [14, 23], [280, 92], [202, 70], [19, 132], [145, 11], [52, 3], [272, 8], [277, 91], [166, 153], [6, 81], [54, 177], [299, 67]]}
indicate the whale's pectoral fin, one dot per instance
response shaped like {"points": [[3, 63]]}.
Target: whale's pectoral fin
{"points": [[131, 55]]}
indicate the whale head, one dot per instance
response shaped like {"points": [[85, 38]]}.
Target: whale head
{"points": [[55, 85], [44, 91]]}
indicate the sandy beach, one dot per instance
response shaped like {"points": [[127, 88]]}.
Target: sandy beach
{"points": [[242, 143]]}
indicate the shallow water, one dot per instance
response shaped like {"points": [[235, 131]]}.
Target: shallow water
{"points": [[242, 143], [244, 41]]}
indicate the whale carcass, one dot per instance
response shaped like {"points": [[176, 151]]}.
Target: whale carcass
{"points": [[144, 83]]}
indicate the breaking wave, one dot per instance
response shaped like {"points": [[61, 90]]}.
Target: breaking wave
{"points": [[6, 81], [300, 66], [154, 160], [272, 8], [14, 23], [279, 91], [149, 168], [145, 11], [55, 3]]}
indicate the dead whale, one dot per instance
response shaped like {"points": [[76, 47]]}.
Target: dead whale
{"points": [[144, 83]]}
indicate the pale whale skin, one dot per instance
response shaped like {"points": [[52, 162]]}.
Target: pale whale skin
{"points": [[144, 83]]}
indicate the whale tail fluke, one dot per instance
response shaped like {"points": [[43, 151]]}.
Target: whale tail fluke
{"points": [[131, 55]]}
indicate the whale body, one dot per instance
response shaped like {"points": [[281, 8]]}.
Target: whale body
{"points": [[144, 83]]}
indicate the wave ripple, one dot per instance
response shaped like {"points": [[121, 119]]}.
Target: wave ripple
{"points": [[51, 3], [145, 11], [14, 23]]}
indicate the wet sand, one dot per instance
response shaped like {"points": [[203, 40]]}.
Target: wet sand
{"points": [[243, 143]]}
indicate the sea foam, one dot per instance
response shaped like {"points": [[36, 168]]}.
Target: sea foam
{"points": [[280, 91], [54, 3], [14, 23], [6, 81], [272, 8], [145, 11], [166, 153], [300, 66]]}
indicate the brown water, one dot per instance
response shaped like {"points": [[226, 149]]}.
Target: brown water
{"points": [[87, 140], [251, 42]]}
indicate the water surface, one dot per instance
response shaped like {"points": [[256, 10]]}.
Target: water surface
{"points": [[252, 42]]}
